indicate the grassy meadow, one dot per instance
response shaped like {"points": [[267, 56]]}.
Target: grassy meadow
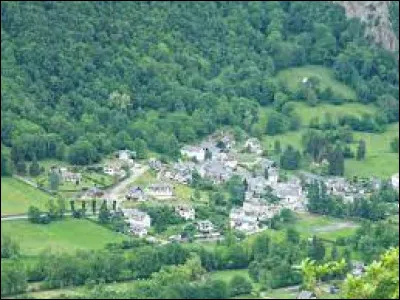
{"points": [[17, 196], [67, 235], [293, 76]]}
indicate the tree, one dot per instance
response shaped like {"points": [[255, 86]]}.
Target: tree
{"points": [[381, 280], [313, 273], [94, 206], [104, 214], [52, 209], [316, 249], [290, 159], [20, 167], [34, 168], [394, 145], [140, 147], [6, 169], [334, 253], [361, 150], [277, 147], [239, 285], [9, 248], [292, 236], [236, 190], [336, 162], [34, 215], [83, 153], [54, 180], [276, 123], [61, 207], [13, 278]]}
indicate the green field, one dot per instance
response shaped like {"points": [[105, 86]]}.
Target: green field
{"points": [[379, 161], [323, 226], [229, 274], [66, 235], [307, 112], [293, 76], [16, 197]]}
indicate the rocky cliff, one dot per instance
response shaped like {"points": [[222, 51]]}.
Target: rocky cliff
{"points": [[376, 16]]}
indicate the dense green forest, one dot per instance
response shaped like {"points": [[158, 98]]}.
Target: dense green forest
{"points": [[82, 79]]}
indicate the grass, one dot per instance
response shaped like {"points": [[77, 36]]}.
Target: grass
{"points": [[293, 76], [16, 197], [307, 112], [67, 235], [324, 226], [146, 179], [227, 275], [379, 160]]}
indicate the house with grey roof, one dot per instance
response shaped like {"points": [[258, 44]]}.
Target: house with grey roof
{"points": [[160, 190], [139, 221], [216, 171], [135, 193], [239, 220]]}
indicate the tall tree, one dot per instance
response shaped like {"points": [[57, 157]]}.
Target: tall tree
{"points": [[361, 150]]}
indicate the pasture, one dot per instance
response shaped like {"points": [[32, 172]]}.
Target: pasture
{"points": [[17, 196], [294, 76], [65, 235]]}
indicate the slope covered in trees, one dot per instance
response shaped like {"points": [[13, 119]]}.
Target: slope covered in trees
{"points": [[82, 79]]}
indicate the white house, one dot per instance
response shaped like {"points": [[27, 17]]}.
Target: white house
{"points": [[291, 195], [216, 171], [139, 221], [253, 144], [194, 152], [160, 190], [240, 221], [273, 175], [205, 226], [395, 181], [68, 176], [113, 171], [185, 212], [257, 184]]}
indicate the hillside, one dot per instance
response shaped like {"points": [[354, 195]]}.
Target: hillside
{"points": [[87, 78], [381, 19]]}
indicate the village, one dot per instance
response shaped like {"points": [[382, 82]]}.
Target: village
{"points": [[217, 159]]}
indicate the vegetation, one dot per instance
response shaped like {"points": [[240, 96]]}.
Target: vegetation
{"points": [[17, 196], [146, 85], [66, 235]]}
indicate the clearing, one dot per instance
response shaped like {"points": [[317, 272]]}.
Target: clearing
{"points": [[16, 197], [294, 76], [66, 235]]}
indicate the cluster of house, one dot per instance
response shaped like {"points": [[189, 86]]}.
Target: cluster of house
{"points": [[257, 207], [339, 186], [207, 232], [139, 222], [180, 172], [115, 167], [213, 159]]}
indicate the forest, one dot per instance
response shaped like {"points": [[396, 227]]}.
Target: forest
{"points": [[94, 77]]}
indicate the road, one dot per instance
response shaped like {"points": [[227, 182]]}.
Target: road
{"points": [[116, 192], [25, 216], [120, 189]]}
